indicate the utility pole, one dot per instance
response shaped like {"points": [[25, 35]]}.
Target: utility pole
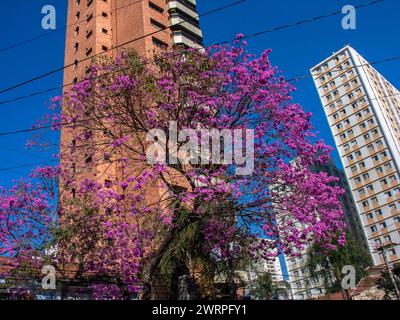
{"points": [[383, 249]]}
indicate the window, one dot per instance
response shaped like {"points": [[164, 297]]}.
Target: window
{"points": [[157, 24], [374, 229], [387, 238], [89, 51], [158, 43], [388, 166], [104, 30], [378, 213], [155, 7], [89, 33], [388, 194], [89, 17], [371, 148]]}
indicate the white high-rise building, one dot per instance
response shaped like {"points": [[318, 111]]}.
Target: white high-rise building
{"points": [[363, 111]]}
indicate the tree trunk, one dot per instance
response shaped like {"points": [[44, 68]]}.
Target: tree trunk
{"points": [[155, 260]]}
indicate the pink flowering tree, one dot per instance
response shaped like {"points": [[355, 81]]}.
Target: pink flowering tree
{"points": [[129, 220]]}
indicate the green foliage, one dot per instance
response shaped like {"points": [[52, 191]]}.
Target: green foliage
{"points": [[327, 264], [385, 283], [263, 288]]}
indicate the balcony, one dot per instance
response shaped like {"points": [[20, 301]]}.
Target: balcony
{"points": [[182, 38], [185, 6], [179, 22]]}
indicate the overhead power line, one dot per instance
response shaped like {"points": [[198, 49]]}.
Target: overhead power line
{"points": [[305, 21], [40, 36], [210, 46], [116, 47]]}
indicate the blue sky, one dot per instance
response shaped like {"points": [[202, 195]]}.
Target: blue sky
{"points": [[295, 50]]}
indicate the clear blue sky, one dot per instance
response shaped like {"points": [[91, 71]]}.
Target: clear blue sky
{"points": [[295, 50]]}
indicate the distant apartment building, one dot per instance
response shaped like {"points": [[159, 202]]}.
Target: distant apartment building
{"points": [[302, 286], [261, 266], [351, 216], [363, 111]]}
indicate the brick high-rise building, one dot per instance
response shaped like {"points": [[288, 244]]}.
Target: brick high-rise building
{"points": [[107, 27], [96, 26], [363, 111]]}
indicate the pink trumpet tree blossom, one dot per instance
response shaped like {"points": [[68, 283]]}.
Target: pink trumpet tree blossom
{"points": [[120, 216]]}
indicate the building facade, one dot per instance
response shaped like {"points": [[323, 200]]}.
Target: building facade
{"points": [[105, 28], [363, 111], [302, 286], [110, 26], [351, 216]]}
